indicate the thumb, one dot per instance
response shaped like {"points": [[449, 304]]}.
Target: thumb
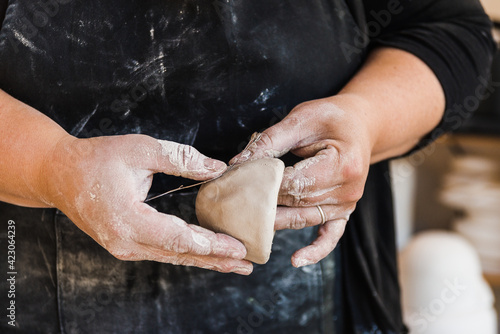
{"points": [[274, 142], [186, 161]]}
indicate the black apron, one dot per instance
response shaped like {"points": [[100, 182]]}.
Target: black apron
{"points": [[206, 74]]}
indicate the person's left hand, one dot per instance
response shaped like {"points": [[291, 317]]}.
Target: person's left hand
{"points": [[333, 136]]}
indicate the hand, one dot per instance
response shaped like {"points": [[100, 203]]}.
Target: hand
{"points": [[101, 184], [333, 137]]}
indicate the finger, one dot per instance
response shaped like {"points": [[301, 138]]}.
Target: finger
{"points": [[321, 180], [171, 234], [186, 161], [222, 265], [174, 241], [299, 218], [308, 179], [303, 126], [328, 236], [274, 142], [162, 156]]}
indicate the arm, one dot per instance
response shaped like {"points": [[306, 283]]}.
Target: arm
{"points": [[398, 97], [101, 184], [419, 67], [27, 138], [453, 37]]}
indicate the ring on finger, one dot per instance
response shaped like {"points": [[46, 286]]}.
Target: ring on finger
{"points": [[322, 213]]}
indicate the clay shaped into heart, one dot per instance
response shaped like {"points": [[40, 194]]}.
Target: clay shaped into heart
{"points": [[242, 203]]}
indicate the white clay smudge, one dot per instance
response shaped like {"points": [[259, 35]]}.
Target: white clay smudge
{"points": [[200, 240], [124, 229], [302, 262], [181, 156], [177, 221], [306, 163]]}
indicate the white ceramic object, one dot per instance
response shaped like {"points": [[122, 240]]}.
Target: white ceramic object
{"points": [[442, 286], [479, 322]]}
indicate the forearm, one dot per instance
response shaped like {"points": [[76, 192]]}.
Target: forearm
{"points": [[399, 99], [27, 138]]}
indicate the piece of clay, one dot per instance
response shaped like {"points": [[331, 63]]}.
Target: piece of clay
{"points": [[242, 203]]}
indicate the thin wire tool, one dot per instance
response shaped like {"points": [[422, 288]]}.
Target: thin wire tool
{"points": [[255, 137]]}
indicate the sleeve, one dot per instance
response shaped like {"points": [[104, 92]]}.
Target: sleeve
{"points": [[453, 37], [3, 9]]}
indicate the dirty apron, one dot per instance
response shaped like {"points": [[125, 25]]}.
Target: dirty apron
{"points": [[206, 74]]}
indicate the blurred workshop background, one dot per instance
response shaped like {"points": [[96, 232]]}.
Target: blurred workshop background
{"points": [[448, 214]]}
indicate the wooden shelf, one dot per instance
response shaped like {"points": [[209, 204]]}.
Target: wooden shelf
{"points": [[475, 144]]}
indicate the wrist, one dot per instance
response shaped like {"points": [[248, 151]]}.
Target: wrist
{"points": [[358, 120], [59, 162]]}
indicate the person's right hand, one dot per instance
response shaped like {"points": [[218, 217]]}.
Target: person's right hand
{"points": [[101, 184]]}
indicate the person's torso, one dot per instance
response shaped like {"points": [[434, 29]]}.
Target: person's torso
{"points": [[208, 74]]}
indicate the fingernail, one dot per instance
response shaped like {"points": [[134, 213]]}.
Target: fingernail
{"points": [[214, 165], [238, 255], [244, 156], [302, 262], [243, 270]]}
